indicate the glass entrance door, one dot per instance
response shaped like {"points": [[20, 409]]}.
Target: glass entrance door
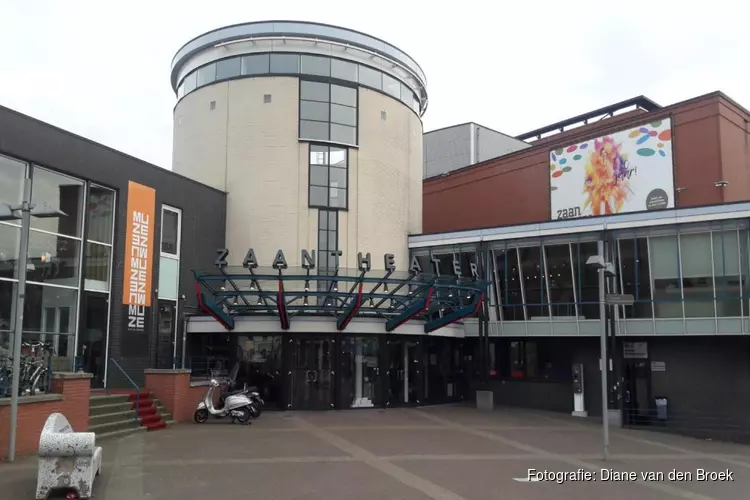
{"points": [[311, 375], [360, 373], [404, 373]]}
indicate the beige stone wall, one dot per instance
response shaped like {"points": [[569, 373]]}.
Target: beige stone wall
{"points": [[250, 149]]}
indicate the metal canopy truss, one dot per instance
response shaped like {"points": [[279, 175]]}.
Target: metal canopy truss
{"points": [[437, 300]]}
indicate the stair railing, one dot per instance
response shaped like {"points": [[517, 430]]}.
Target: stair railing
{"points": [[137, 390]]}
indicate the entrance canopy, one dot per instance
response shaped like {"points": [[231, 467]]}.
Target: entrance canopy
{"points": [[394, 296]]}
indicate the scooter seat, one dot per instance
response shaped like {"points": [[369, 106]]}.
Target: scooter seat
{"points": [[225, 395]]}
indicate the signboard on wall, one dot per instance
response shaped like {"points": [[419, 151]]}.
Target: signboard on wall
{"points": [[627, 171], [139, 255], [635, 350]]}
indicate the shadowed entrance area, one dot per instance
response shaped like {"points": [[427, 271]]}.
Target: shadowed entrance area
{"points": [[444, 452]]}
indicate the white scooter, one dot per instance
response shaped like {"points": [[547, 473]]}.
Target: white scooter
{"points": [[238, 406]]}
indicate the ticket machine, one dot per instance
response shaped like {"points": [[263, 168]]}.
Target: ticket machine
{"points": [[579, 410]]}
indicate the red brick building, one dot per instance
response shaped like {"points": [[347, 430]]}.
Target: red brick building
{"points": [[711, 144]]}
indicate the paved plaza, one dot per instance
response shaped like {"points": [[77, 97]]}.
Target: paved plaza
{"points": [[442, 453]]}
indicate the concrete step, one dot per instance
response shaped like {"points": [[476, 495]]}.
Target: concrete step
{"points": [[108, 427], [109, 408], [109, 418], [105, 399], [120, 433]]}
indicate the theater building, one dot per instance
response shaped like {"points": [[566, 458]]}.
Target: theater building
{"points": [[664, 190], [315, 133]]}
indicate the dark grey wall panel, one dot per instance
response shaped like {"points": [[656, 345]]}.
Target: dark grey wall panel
{"points": [[203, 215]]}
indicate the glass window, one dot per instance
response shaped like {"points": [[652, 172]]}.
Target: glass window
{"points": [[318, 196], [190, 82], [337, 157], [39, 298], [314, 91], [322, 219], [100, 211], [343, 134], [169, 278], [255, 64], [318, 175], [370, 77], [7, 294], [98, 259], [338, 177], [170, 231], [60, 192], [53, 259], [406, 95], [587, 279], [391, 86], [508, 277], [315, 65], [313, 110], [343, 70], [12, 173], [534, 281], [635, 278], [10, 237], [666, 276], [560, 277], [337, 198], [697, 276], [327, 243], [327, 183], [285, 64], [314, 130], [206, 75], [228, 68], [344, 115], [726, 252], [319, 154], [344, 95], [415, 105]]}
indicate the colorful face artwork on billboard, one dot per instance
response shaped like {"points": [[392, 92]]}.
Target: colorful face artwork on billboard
{"points": [[628, 171]]}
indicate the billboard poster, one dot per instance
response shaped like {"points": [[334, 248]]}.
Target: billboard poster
{"points": [[627, 171], [139, 252]]}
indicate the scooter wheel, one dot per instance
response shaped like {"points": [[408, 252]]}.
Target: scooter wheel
{"points": [[255, 410], [200, 416], [245, 416]]}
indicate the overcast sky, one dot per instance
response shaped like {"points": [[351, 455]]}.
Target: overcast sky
{"points": [[101, 68]]}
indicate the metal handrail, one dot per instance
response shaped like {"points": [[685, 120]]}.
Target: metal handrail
{"points": [[137, 390]]}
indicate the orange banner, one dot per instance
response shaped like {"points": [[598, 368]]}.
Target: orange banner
{"points": [[139, 246]]}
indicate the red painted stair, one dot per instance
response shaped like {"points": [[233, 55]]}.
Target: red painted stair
{"points": [[143, 403]]}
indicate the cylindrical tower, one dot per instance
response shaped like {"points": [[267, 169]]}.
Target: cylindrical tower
{"points": [[315, 133]]}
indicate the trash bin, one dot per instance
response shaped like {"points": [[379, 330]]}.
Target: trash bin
{"points": [[661, 408]]}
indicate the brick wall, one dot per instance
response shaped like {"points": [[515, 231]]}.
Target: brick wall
{"points": [[172, 387], [71, 392]]}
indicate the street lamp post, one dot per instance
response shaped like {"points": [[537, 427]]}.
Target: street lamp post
{"points": [[11, 213], [599, 262]]}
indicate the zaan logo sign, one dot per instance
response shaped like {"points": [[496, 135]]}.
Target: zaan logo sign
{"points": [[139, 244]]}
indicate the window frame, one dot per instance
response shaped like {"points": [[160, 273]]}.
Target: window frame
{"points": [[329, 82], [178, 211], [328, 168]]}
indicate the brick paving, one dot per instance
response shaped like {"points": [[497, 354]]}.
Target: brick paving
{"points": [[439, 453]]}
